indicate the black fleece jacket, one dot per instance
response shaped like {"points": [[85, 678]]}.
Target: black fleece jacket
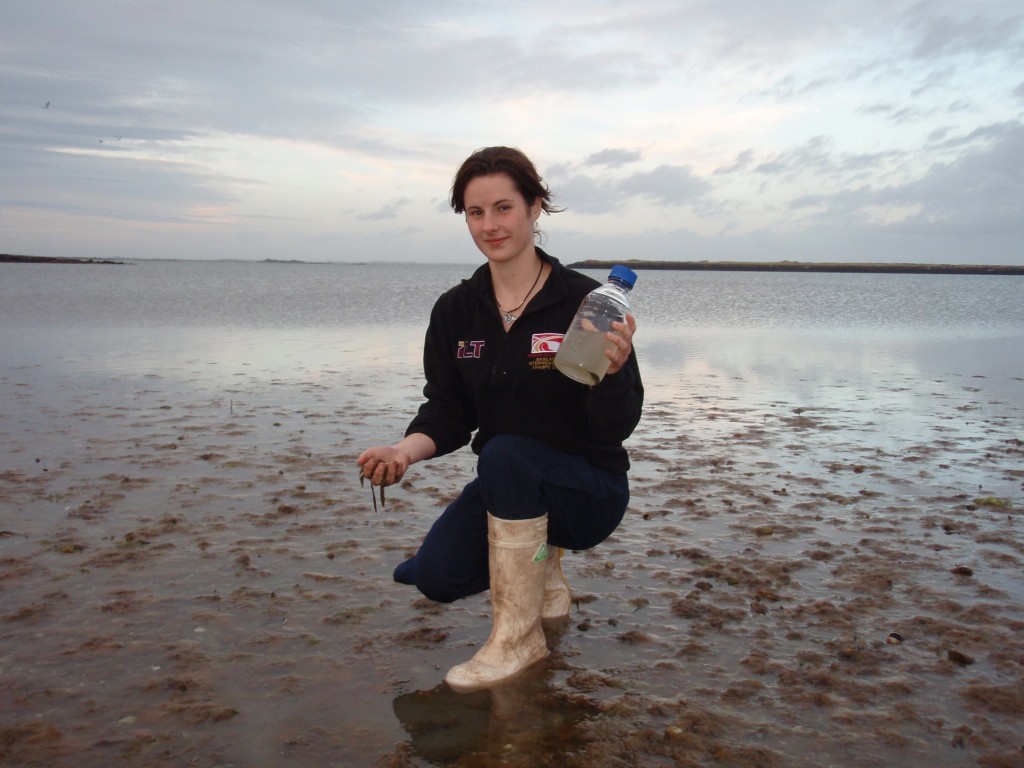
{"points": [[483, 380]]}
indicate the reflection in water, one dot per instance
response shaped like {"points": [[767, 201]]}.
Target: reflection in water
{"points": [[214, 356], [524, 722], [819, 368], [530, 720], [444, 725]]}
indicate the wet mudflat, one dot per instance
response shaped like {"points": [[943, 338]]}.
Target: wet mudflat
{"points": [[190, 574]]}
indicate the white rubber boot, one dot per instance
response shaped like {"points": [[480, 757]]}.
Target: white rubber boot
{"points": [[518, 554], [557, 597]]}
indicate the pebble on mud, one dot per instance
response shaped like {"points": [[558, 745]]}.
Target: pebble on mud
{"points": [[959, 658]]}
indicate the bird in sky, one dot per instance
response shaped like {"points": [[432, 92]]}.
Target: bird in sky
{"points": [[46, 105]]}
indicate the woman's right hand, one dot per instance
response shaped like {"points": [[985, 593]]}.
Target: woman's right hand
{"points": [[386, 464], [383, 464]]}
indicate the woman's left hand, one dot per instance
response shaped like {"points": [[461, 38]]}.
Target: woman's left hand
{"points": [[622, 336]]}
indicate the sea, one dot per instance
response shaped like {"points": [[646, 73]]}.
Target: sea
{"points": [[190, 572], [759, 336], [784, 330]]}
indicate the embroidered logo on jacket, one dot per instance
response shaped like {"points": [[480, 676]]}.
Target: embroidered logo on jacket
{"points": [[542, 350], [469, 350], [545, 344]]}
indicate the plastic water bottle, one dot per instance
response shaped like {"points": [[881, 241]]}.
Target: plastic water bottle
{"points": [[581, 356]]}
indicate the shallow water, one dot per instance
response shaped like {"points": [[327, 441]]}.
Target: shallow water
{"points": [[191, 574]]}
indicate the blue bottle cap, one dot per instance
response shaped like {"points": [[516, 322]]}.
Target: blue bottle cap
{"points": [[625, 274]]}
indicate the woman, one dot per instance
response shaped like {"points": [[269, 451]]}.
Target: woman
{"points": [[551, 467]]}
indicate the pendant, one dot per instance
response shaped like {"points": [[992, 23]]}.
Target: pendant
{"points": [[509, 318]]}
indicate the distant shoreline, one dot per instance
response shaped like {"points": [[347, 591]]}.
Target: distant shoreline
{"points": [[697, 266], [802, 266], [9, 258]]}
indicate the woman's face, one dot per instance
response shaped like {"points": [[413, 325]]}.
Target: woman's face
{"points": [[499, 219]]}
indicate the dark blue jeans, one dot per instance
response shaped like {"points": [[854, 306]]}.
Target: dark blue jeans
{"points": [[518, 478]]}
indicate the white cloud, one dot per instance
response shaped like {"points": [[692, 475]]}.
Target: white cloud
{"points": [[613, 157]]}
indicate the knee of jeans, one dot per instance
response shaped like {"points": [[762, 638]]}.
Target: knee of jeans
{"points": [[436, 584], [443, 586], [499, 453], [434, 592], [496, 447]]}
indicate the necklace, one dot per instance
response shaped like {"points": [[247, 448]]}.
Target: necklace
{"points": [[506, 314]]}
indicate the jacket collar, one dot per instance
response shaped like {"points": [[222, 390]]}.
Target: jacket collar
{"points": [[553, 291]]}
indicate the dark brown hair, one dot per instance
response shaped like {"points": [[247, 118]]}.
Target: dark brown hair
{"points": [[506, 160]]}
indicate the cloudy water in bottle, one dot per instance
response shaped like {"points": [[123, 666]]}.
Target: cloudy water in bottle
{"points": [[581, 356]]}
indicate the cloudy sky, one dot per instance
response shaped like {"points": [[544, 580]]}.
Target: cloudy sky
{"points": [[329, 130]]}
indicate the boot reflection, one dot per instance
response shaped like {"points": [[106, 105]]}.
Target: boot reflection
{"points": [[511, 719], [444, 725], [501, 721]]}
